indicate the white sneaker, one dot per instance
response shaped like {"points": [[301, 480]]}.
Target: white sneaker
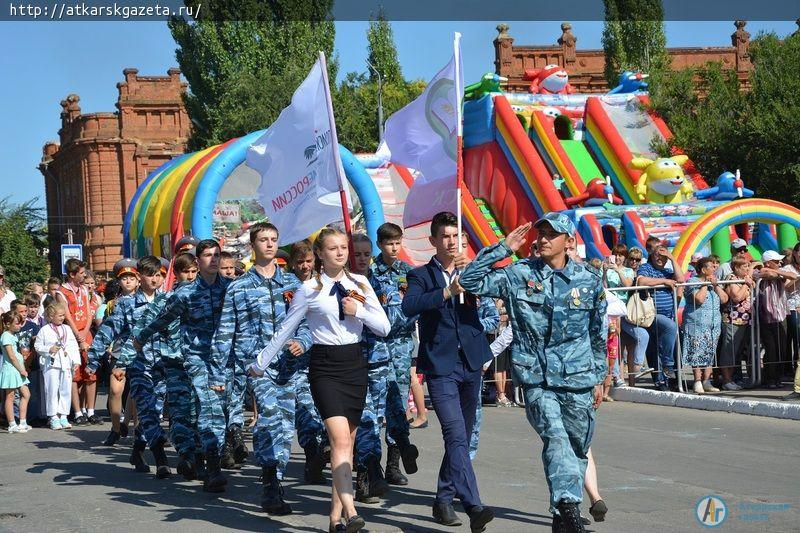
{"points": [[14, 429], [55, 424], [708, 387], [619, 382], [698, 387], [731, 386], [24, 428]]}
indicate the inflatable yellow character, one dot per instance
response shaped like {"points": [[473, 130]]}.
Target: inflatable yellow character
{"points": [[662, 181]]}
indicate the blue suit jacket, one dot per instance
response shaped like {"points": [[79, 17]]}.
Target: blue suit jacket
{"points": [[443, 326]]}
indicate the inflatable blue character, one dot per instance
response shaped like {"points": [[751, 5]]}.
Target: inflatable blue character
{"points": [[630, 82], [728, 187]]}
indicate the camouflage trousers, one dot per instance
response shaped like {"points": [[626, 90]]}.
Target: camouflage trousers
{"points": [[309, 424], [476, 428], [398, 383], [144, 384], [565, 422], [210, 416], [368, 436], [235, 385], [274, 431], [182, 401]]}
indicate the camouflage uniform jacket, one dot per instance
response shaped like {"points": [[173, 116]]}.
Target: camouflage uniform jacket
{"points": [[197, 306], [393, 283], [557, 317], [117, 328], [253, 310]]}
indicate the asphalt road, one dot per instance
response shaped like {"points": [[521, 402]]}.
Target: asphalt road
{"points": [[655, 464]]}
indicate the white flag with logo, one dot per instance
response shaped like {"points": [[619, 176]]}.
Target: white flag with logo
{"points": [[423, 135], [297, 160]]}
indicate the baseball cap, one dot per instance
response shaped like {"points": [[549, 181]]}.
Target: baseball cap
{"points": [[772, 255], [558, 221], [125, 266], [738, 243]]}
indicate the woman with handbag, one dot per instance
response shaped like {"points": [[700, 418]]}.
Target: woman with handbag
{"points": [[634, 337]]}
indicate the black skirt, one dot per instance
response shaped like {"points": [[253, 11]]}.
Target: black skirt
{"points": [[337, 376]]}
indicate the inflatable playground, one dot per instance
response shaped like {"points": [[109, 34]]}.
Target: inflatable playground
{"points": [[525, 154]]}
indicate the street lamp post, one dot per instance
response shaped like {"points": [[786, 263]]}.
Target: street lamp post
{"points": [[380, 101]]}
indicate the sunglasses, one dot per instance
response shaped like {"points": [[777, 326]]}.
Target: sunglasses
{"points": [[632, 260]]}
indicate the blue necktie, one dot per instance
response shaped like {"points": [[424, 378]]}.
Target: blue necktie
{"points": [[340, 293]]}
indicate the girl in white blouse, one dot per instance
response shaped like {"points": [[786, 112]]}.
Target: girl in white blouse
{"points": [[336, 305], [59, 356]]}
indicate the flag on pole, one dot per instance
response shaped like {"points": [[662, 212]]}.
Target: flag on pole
{"points": [[424, 136], [298, 160]]}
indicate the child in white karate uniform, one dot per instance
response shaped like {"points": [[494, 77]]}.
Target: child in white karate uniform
{"points": [[59, 357]]}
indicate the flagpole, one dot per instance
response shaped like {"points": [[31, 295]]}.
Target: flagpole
{"points": [[459, 143], [339, 168]]}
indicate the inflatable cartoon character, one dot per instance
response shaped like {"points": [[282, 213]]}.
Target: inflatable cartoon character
{"points": [[597, 193], [662, 181], [630, 82], [728, 187], [551, 79]]}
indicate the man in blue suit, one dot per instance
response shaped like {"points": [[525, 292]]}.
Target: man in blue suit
{"points": [[452, 351]]}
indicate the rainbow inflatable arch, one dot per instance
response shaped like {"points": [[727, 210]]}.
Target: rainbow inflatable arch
{"points": [[179, 197]]}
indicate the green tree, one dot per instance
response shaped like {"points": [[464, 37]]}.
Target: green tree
{"points": [[633, 37], [356, 98], [382, 50], [22, 243], [724, 129], [243, 61]]}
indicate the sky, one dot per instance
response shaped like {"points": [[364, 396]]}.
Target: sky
{"points": [[43, 62]]}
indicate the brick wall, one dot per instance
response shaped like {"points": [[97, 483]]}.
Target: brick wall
{"points": [[94, 169]]}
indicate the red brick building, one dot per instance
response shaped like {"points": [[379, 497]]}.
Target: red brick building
{"points": [[94, 169], [585, 67]]}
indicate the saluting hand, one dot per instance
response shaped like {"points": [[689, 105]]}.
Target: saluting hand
{"points": [[516, 238]]}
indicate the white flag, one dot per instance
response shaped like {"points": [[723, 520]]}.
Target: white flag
{"points": [[297, 159], [423, 135]]}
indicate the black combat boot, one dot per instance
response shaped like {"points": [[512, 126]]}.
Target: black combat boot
{"points": [[570, 517], [137, 457], [272, 493], [216, 480], [393, 474], [162, 465], [378, 485], [186, 467], [200, 466], [362, 486], [226, 458], [315, 462], [240, 451], [409, 454]]}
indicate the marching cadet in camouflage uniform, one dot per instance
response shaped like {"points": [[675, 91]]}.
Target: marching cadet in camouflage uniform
{"points": [[142, 363], [310, 429], [556, 308], [180, 394], [370, 481], [390, 272], [255, 305], [198, 306]]}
